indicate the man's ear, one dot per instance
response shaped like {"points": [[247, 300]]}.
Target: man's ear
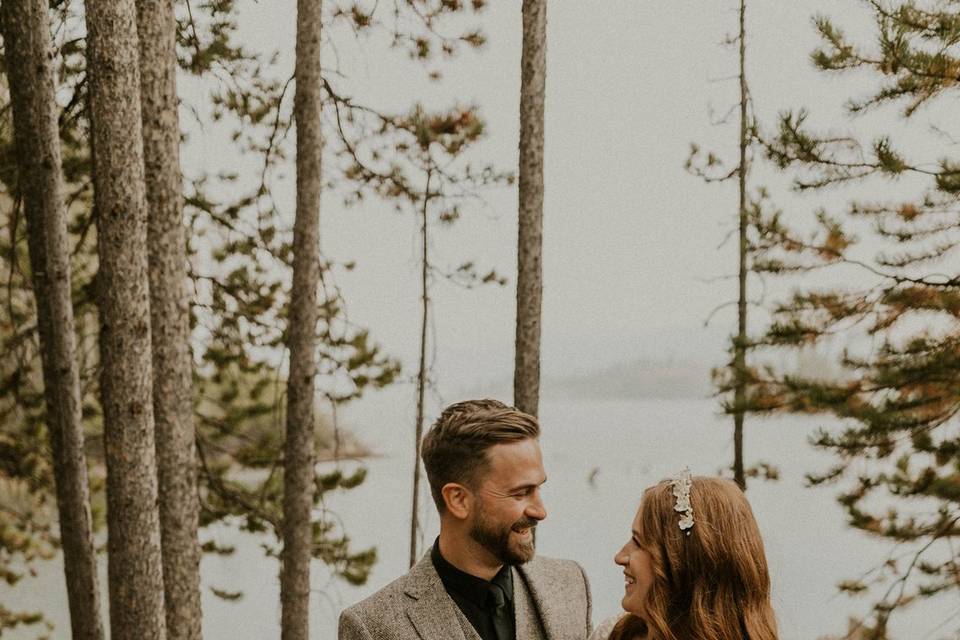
{"points": [[458, 498]]}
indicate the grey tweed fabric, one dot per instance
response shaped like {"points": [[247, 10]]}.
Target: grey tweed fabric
{"points": [[552, 603]]}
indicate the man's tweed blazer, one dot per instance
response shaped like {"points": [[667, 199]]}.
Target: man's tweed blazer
{"points": [[552, 602]]}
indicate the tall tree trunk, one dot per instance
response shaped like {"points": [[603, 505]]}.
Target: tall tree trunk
{"points": [[740, 344], [135, 569], [26, 33], [298, 480], [421, 371], [170, 320], [526, 377]]}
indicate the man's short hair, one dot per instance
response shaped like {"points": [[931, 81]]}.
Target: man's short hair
{"points": [[455, 447]]}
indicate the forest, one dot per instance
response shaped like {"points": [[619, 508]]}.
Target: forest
{"points": [[250, 248]]}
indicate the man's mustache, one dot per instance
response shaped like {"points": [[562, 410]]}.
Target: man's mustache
{"points": [[526, 523]]}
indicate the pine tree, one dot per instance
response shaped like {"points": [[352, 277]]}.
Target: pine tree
{"points": [[298, 452], [26, 33], [526, 377], [135, 567], [884, 283], [733, 381], [26, 466], [740, 342], [417, 162], [170, 320]]}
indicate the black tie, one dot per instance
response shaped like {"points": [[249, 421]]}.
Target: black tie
{"points": [[500, 612]]}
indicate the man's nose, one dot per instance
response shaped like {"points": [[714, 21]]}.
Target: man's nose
{"points": [[536, 510]]}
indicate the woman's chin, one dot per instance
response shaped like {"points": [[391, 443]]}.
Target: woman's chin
{"points": [[629, 606]]}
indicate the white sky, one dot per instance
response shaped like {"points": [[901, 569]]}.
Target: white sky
{"points": [[632, 243]]}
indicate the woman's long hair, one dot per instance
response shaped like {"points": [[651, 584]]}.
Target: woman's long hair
{"points": [[712, 584]]}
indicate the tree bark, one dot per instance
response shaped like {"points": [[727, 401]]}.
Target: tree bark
{"points": [[298, 479], [740, 344], [526, 378], [169, 320], [135, 569], [26, 33]]}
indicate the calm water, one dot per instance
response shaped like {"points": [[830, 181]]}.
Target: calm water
{"points": [[632, 444]]}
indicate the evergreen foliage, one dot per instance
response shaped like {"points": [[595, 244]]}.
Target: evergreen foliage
{"points": [[885, 285]]}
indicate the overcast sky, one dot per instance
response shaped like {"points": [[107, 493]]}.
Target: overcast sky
{"points": [[633, 262]]}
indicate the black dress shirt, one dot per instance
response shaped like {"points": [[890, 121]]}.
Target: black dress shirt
{"points": [[487, 605]]}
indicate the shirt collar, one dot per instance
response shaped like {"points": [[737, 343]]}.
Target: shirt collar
{"points": [[471, 587]]}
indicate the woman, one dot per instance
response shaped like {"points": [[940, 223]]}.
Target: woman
{"points": [[694, 567]]}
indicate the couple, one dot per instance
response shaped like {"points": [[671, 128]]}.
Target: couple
{"points": [[694, 564]]}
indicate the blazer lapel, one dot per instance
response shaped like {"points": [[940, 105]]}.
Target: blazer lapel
{"points": [[433, 613], [526, 619], [547, 597]]}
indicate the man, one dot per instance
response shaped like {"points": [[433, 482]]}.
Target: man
{"points": [[480, 581]]}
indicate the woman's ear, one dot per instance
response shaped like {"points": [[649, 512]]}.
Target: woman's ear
{"points": [[458, 498]]}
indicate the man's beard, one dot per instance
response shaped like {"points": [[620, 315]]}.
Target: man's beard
{"points": [[496, 539]]}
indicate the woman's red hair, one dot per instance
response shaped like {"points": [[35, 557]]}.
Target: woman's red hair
{"points": [[712, 584]]}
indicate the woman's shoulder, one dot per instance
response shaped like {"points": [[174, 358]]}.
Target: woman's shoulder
{"points": [[602, 632]]}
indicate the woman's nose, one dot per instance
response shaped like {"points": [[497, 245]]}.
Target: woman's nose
{"points": [[621, 557]]}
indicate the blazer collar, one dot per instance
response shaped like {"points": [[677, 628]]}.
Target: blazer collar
{"points": [[433, 609]]}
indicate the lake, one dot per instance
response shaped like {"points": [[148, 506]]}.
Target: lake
{"points": [[626, 445]]}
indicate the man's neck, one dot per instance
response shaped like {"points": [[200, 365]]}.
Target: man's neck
{"points": [[468, 556]]}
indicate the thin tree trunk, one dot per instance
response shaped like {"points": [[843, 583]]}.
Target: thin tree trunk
{"points": [[135, 568], [526, 377], [421, 372], [740, 345], [298, 479], [26, 33], [170, 320]]}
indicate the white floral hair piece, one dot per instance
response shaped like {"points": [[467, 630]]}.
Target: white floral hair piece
{"points": [[681, 484]]}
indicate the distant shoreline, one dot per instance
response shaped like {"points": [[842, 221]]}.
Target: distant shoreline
{"points": [[630, 380]]}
